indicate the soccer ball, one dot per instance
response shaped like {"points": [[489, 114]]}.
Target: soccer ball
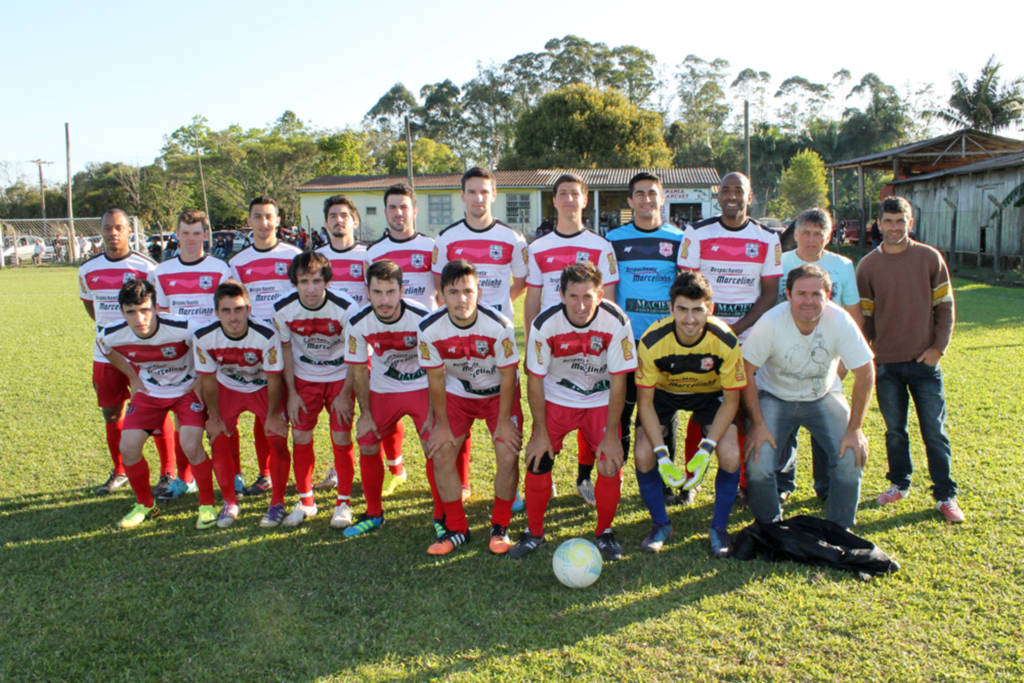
{"points": [[577, 563]]}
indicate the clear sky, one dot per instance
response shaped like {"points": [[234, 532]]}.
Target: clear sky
{"points": [[124, 74]]}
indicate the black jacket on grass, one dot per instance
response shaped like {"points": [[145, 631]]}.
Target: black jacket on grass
{"points": [[809, 540]]}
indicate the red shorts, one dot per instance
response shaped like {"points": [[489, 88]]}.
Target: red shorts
{"points": [[388, 409], [111, 385], [463, 411], [591, 422], [147, 413], [233, 403], [318, 396]]}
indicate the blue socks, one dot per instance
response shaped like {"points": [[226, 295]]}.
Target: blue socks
{"points": [[651, 491], [727, 486]]}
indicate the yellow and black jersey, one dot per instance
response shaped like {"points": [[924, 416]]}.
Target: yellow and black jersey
{"points": [[711, 364]]}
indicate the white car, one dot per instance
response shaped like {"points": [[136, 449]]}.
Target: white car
{"points": [[25, 247]]}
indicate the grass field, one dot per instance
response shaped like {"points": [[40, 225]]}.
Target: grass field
{"points": [[86, 602]]}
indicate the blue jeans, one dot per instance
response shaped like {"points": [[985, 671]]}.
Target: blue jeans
{"points": [[826, 419], [785, 475], [924, 383]]}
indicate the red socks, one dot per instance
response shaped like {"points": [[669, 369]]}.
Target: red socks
{"points": [[114, 444], [345, 466], [259, 440], [304, 461], [138, 476], [587, 456], [434, 493], [224, 468], [462, 463], [455, 517], [502, 512], [607, 491], [743, 465], [165, 445], [181, 460], [371, 467], [280, 465], [392, 446], [236, 450], [694, 435], [538, 494], [204, 482]]}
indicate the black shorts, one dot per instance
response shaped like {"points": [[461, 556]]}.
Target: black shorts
{"points": [[703, 407]]}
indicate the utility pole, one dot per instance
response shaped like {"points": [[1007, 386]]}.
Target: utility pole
{"points": [[42, 191], [202, 180], [72, 239], [746, 133], [408, 148]]}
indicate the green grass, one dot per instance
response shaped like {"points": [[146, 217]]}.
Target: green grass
{"points": [[84, 601]]}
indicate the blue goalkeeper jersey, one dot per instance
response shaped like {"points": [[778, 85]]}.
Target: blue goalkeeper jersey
{"points": [[647, 268]]}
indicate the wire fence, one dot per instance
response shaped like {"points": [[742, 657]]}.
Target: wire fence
{"points": [[58, 240]]}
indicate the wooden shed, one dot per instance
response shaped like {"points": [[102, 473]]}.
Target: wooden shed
{"points": [[961, 203]]}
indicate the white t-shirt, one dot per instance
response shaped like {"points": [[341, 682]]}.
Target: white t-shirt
{"points": [[187, 289], [347, 266], [553, 252], [100, 280], [577, 362], [798, 367], [316, 336], [396, 363], [264, 272], [412, 255], [163, 361], [498, 252], [471, 356]]}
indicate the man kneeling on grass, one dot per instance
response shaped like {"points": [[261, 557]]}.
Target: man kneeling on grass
{"points": [[796, 347], [154, 351]]}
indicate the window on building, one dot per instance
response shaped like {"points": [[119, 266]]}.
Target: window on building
{"points": [[371, 211], [517, 208], [440, 209]]}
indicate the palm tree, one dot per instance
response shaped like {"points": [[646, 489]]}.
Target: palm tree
{"points": [[983, 105]]}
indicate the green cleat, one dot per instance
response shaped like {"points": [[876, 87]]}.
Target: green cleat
{"points": [[392, 482], [207, 516], [138, 515]]}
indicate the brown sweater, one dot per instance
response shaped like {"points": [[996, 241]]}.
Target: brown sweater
{"points": [[907, 301]]}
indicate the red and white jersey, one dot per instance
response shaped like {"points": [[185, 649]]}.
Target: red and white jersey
{"points": [[412, 255], [498, 252], [163, 361], [316, 336], [733, 260], [577, 362], [472, 355], [553, 252], [241, 364], [396, 361], [347, 268], [100, 280], [187, 289], [265, 274]]}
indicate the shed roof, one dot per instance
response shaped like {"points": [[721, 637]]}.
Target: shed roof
{"points": [[947, 151], [596, 178], [1005, 161]]}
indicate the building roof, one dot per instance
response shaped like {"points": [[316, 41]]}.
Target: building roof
{"points": [[1005, 161], [595, 178], [937, 154]]}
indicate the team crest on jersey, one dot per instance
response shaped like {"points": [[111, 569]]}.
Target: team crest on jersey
{"points": [[424, 351], [741, 377], [202, 356], [355, 269], [778, 255], [597, 344], [706, 363], [582, 257], [751, 249], [482, 347], [196, 407], [128, 277], [665, 249], [433, 257], [410, 341], [611, 264], [206, 281], [496, 252], [168, 351], [330, 327], [509, 349], [526, 254], [250, 358], [538, 347], [351, 344], [272, 356], [416, 260], [81, 283], [281, 268], [685, 248], [627, 349]]}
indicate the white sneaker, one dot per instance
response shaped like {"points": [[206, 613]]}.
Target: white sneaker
{"points": [[586, 491], [299, 513], [330, 481], [342, 517], [554, 491]]}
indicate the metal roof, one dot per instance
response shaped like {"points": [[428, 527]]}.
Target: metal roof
{"points": [[947, 151], [1006, 161], [595, 178]]}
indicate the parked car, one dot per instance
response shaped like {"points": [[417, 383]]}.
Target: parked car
{"points": [[772, 223], [851, 234], [25, 247]]}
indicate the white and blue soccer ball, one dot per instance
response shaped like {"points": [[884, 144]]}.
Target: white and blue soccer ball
{"points": [[577, 563]]}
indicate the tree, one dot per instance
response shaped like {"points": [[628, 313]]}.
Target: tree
{"points": [[984, 105], [584, 127], [804, 184], [427, 157], [699, 137], [391, 109]]}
